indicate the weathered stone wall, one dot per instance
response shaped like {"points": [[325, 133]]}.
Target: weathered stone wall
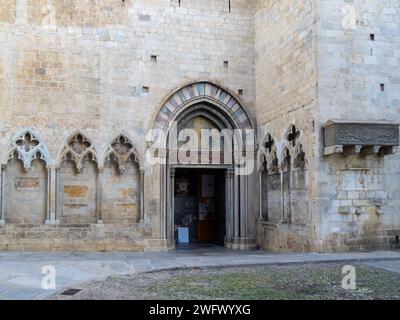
{"points": [[79, 237], [121, 194], [358, 50], [20, 188], [104, 68], [286, 94], [354, 56], [78, 193]]}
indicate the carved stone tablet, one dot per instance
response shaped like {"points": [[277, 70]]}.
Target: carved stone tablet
{"points": [[347, 133], [27, 184]]}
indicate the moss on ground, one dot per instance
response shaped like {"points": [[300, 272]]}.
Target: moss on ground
{"points": [[280, 283], [293, 282]]}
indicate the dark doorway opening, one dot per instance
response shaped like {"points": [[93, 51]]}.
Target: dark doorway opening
{"points": [[200, 211]]}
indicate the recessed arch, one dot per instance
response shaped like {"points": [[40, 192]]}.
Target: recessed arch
{"points": [[77, 181], [25, 180], [202, 92], [221, 108], [122, 182]]}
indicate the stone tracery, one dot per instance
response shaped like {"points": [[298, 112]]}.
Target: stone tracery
{"points": [[28, 147], [269, 154], [78, 149], [122, 151], [292, 157], [294, 149]]}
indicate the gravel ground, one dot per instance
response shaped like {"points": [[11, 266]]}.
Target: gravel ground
{"points": [[290, 282]]}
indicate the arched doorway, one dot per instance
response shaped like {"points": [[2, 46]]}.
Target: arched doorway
{"points": [[183, 118]]}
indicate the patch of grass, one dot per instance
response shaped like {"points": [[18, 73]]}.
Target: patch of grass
{"points": [[240, 286], [290, 282], [285, 283]]}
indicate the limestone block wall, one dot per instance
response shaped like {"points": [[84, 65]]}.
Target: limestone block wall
{"points": [[286, 95], [77, 193], [25, 190], [103, 68], [358, 78], [121, 195]]}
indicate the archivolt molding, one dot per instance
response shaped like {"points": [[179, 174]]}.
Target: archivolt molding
{"points": [[202, 91], [78, 149], [200, 97], [28, 146], [122, 151]]}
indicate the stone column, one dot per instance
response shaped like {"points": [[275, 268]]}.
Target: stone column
{"points": [[163, 199], [266, 195], [48, 196], [99, 196], [289, 214], [261, 199], [52, 194], [236, 218], [263, 181], [282, 196], [57, 195], [171, 204], [142, 177], [243, 206], [2, 200], [229, 187]]}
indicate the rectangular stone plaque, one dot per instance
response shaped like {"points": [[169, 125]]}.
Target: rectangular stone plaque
{"points": [[27, 184], [348, 133], [76, 191]]}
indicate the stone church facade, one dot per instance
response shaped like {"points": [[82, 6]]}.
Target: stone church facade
{"points": [[82, 83]]}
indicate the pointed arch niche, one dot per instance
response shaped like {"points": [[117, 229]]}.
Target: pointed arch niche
{"points": [[269, 181], [77, 182], [283, 178], [122, 194], [25, 181]]}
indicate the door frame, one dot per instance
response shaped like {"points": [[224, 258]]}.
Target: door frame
{"points": [[236, 196]]}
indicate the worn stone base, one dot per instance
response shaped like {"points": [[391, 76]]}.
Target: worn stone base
{"points": [[284, 238], [85, 238], [242, 244], [290, 238], [379, 239]]}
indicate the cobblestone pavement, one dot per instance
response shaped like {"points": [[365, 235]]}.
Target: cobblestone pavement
{"points": [[21, 273], [288, 282]]}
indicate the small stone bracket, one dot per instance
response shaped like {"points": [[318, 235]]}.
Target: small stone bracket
{"points": [[360, 150]]}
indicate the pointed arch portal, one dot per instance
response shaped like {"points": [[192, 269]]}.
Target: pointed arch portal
{"points": [[203, 105]]}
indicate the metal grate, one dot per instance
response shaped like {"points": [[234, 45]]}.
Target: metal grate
{"points": [[71, 292]]}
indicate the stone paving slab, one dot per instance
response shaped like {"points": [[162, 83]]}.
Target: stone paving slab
{"points": [[21, 272], [389, 265]]}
